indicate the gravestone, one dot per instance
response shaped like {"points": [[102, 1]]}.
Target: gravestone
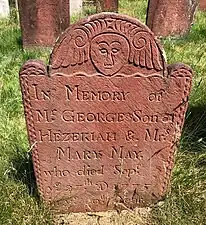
{"points": [[42, 21], [202, 5], [4, 8], [107, 5], [75, 6], [105, 117], [170, 18]]}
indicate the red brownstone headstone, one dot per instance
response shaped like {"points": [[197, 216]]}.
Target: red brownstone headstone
{"points": [[202, 5], [170, 17], [42, 21], [105, 119], [107, 5]]}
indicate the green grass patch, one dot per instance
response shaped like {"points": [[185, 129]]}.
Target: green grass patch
{"points": [[185, 202], [19, 201]]}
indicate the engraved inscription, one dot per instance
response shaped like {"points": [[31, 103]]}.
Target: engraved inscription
{"points": [[59, 187], [87, 170], [96, 186], [87, 95], [56, 172], [59, 136], [101, 186], [40, 94], [136, 116], [131, 136], [47, 116], [102, 200], [119, 152], [128, 172], [156, 135], [70, 154], [156, 96]]}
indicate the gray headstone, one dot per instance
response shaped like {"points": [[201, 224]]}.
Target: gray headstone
{"points": [[4, 8], [75, 6]]}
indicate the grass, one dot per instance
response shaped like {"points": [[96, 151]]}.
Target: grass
{"points": [[19, 201], [186, 201]]}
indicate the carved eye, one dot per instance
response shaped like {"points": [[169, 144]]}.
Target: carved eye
{"points": [[115, 50], [103, 50]]}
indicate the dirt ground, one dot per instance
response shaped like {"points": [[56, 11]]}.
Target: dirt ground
{"points": [[139, 216]]}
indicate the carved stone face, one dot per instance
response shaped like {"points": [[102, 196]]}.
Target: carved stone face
{"points": [[109, 52]]}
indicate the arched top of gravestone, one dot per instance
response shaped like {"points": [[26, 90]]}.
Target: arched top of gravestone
{"points": [[108, 44]]}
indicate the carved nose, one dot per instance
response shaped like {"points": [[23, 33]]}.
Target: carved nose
{"points": [[109, 61]]}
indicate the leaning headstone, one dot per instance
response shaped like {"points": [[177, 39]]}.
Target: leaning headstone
{"points": [[4, 8], [202, 5], [43, 21], [170, 18], [75, 6], [105, 119], [107, 5]]}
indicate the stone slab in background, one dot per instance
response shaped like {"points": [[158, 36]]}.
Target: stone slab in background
{"points": [[105, 120], [42, 21], [170, 17], [107, 5], [202, 5], [75, 6], [4, 8]]}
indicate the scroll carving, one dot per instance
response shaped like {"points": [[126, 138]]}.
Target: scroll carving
{"points": [[145, 52], [34, 68]]}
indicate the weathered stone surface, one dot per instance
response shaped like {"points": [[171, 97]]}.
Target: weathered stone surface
{"points": [[105, 120], [170, 17], [42, 21], [202, 5], [75, 6], [107, 5], [4, 8]]}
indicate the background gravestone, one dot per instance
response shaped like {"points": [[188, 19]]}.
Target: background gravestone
{"points": [[75, 6], [202, 5], [107, 5], [105, 120], [4, 8], [42, 21], [170, 17]]}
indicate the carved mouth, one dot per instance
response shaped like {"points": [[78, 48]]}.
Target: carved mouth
{"points": [[108, 67]]}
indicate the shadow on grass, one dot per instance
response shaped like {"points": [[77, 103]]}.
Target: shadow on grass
{"points": [[197, 35], [23, 171], [194, 131], [19, 42]]}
